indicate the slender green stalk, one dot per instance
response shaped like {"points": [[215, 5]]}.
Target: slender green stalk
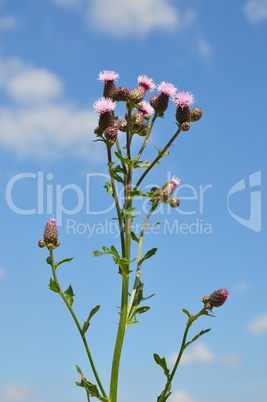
{"points": [[157, 158], [78, 326], [146, 137], [114, 194], [182, 349], [140, 247]]}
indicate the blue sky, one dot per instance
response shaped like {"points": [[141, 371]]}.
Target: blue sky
{"points": [[50, 55]]}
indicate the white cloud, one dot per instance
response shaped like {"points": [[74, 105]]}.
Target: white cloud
{"points": [[199, 353], [68, 3], [126, 17], [7, 22], [2, 272], [34, 85], [258, 325], [256, 10], [230, 359], [37, 125], [16, 393], [204, 49], [242, 286], [181, 396]]}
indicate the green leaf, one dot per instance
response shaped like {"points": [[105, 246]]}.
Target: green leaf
{"points": [[148, 254], [108, 187], [187, 313], [62, 261], [122, 159], [162, 363], [54, 286], [118, 178], [135, 308], [137, 193], [69, 295], [91, 389], [197, 336], [166, 396], [142, 309], [134, 237], [87, 322], [153, 224]]}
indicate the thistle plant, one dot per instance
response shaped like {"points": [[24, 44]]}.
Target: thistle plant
{"points": [[127, 171]]}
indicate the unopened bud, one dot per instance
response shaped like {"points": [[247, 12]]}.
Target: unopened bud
{"points": [[218, 297], [174, 202], [111, 133], [41, 243], [50, 233], [196, 114], [185, 126]]}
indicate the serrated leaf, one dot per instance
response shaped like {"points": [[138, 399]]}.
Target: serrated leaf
{"points": [[108, 187], [148, 254], [91, 389], [134, 237], [133, 310], [124, 160], [62, 261], [87, 322], [69, 295], [118, 178], [162, 363], [54, 286]]}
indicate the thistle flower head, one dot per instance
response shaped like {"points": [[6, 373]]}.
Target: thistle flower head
{"points": [[183, 99], [50, 235], [146, 82], [167, 89], [218, 297], [146, 108], [107, 76], [104, 105], [168, 190]]}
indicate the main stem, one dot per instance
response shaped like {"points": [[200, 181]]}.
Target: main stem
{"points": [[125, 278], [78, 326]]}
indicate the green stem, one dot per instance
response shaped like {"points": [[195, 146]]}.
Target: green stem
{"points": [[182, 349], [146, 138], [78, 326], [119, 340], [157, 158], [114, 194], [140, 246]]}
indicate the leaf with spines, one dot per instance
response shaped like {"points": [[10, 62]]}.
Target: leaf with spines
{"points": [[87, 322], [135, 307], [162, 363], [69, 295], [106, 250], [108, 187], [54, 286], [124, 160]]}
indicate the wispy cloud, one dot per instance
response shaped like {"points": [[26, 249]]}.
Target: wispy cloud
{"points": [[258, 326], [126, 17], [204, 48], [256, 10], [8, 23], [201, 354], [16, 392], [182, 396], [2, 273], [242, 286], [40, 121]]}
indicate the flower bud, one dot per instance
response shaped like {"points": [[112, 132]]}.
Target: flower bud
{"points": [[121, 94], [50, 233], [174, 202], [137, 94], [185, 126], [218, 297], [109, 89], [98, 131], [122, 125], [41, 243], [196, 114], [168, 190], [111, 133], [142, 130]]}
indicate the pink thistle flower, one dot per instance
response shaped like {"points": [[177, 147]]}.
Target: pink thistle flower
{"points": [[146, 108], [167, 89], [168, 190], [107, 76], [183, 99], [104, 105], [146, 82]]}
